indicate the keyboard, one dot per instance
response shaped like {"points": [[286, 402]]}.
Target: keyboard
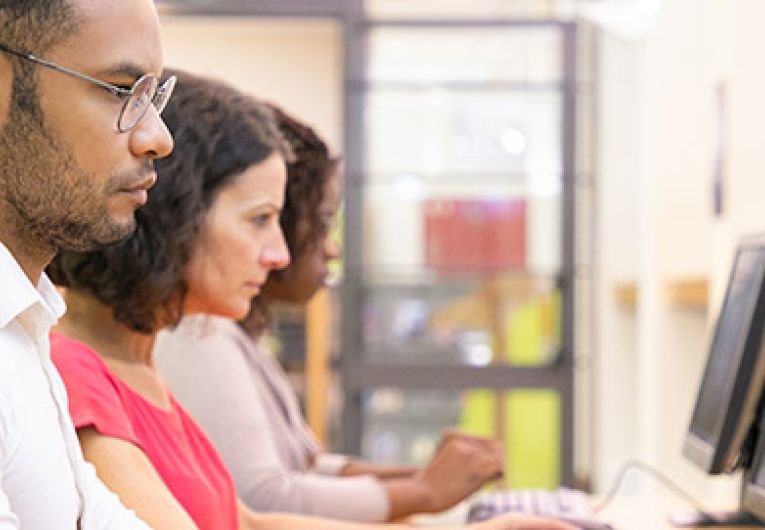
{"points": [[572, 506]]}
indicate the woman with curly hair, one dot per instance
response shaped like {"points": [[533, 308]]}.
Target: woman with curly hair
{"points": [[249, 409], [204, 243]]}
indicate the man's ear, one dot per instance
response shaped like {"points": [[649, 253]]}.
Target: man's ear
{"points": [[6, 87]]}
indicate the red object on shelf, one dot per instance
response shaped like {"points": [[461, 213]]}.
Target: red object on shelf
{"points": [[475, 235]]}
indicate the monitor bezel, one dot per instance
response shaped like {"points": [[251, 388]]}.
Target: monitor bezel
{"points": [[744, 394], [753, 497]]}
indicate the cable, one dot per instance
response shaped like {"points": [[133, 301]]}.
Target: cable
{"points": [[656, 474]]}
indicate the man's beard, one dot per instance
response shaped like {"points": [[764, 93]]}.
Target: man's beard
{"points": [[51, 201]]}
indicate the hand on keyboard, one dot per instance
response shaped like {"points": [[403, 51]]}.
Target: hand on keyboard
{"points": [[460, 465]]}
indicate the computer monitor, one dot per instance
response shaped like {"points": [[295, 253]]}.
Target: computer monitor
{"points": [[754, 485], [730, 390]]}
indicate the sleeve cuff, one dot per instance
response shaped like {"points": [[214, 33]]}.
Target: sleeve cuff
{"points": [[329, 464]]}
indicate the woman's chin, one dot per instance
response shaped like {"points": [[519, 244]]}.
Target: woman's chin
{"points": [[234, 310]]}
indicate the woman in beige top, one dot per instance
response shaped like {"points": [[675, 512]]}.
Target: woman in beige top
{"points": [[241, 397]]}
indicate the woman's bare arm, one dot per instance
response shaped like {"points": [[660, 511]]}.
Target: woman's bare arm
{"points": [[128, 472]]}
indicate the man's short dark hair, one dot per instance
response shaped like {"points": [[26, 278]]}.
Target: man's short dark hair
{"points": [[219, 132], [32, 26]]}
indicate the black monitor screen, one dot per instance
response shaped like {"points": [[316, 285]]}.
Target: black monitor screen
{"points": [[718, 438], [754, 484], [759, 474], [728, 347]]}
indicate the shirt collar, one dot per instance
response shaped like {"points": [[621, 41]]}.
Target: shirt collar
{"points": [[18, 295]]}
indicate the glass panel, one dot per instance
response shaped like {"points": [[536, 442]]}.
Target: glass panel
{"points": [[532, 438], [478, 211], [478, 54], [447, 230], [498, 319], [468, 135], [405, 426], [462, 196]]}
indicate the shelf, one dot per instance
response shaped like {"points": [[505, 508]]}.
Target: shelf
{"points": [[626, 295], [688, 293]]}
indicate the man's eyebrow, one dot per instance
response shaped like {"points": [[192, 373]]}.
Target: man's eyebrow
{"points": [[126, 69]]}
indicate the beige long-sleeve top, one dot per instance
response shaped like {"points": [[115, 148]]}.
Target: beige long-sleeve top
{"points": [[241, 397]]}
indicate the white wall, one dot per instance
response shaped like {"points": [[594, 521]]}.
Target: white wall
{"points": [[658, 134], [747, 80], [618, 170], [295, 63]]}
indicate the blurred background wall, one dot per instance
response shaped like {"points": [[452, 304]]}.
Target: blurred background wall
{"points": [[678, 110], [669, 143], [296, 63]]}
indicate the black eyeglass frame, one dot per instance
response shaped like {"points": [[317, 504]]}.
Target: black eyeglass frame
{"points": [[161, 92]]}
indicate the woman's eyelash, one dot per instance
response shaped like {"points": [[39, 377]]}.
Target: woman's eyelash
{"points": [[261, 219]]}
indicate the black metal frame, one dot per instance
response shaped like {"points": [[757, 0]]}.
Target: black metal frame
{"points": [[357, 374], [263, 8]]}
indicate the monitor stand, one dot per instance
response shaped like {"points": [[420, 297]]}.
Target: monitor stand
{"points": [[709, 519], [700, 520]]}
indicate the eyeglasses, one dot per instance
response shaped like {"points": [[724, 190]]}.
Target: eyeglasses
{"points": [[145, 91]]}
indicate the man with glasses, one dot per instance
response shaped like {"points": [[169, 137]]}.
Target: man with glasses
{"points": [[80, 99]]}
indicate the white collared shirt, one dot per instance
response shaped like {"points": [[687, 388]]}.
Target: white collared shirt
{"points": [[44, 482]]}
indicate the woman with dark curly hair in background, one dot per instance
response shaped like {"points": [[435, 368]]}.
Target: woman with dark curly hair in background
{"points": [[251, 413], [204, 243]]}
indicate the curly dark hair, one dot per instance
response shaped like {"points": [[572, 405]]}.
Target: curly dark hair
{"points": [[219, 132], [307, 174], [312, 165]]}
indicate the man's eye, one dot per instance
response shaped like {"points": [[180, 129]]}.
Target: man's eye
{"points": [[140, 100], [127, 87]]}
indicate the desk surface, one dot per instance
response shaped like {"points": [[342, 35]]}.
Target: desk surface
{"points": [[625, 512], [650, 511]]}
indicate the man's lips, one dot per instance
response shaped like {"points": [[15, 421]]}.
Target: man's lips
{"points": [[139, 191], [143, 185]]}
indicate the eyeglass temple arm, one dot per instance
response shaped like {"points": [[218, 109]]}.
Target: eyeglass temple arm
{"points": [[117, 91]]}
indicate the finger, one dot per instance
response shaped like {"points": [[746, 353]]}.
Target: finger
{"points": [[477, 463], [447, 436], [488, 444], [487, 468]]}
